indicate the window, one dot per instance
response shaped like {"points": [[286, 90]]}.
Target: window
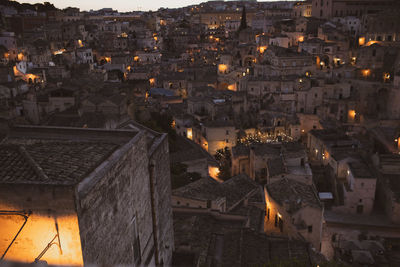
{"points": [[309, 228], [281, 225]]}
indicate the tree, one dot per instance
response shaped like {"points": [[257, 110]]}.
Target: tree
{"points": [[223, 156]]}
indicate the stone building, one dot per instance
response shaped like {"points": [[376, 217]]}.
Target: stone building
{"points": [[293, 209], [339, 8], [85, 196], [388, 186]]}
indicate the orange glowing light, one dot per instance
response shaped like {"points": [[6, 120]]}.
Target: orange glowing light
{"points": [[152, 81], [20, 56], [386, 77], [232, 87], [189, 133], [361, 41], [136, 58], [80, 43], [36, 235], [372, 42], [262, 49], [366, 73], [301, 39], [107, 59], [352, 114], [222, 68], [213, 172]]}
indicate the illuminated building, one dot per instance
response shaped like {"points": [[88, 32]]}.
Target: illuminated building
{"points": [[289, 204], [73, 192]]}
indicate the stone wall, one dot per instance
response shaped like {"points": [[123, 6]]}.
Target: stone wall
{"points": [[111, 202], [161, 181]]}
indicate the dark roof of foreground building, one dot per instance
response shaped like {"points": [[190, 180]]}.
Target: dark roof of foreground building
{"points": [[234, 189], [275, 167], [56, 155], [294, 194], [360, 170], [224, 242], [189, 151]]}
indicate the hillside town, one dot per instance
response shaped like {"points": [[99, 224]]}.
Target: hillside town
{"points": [[226, 133]]}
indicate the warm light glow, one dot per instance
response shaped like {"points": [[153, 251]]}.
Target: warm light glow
{"points": [[352, 114], [365, 73], [6, 55], [386, 77], [372, 42], [136, 58], [301, 39], [152, 81], [80, 43], [232, 87], [361, 41], [279, 215], [222, 68], [173, 124], [59, 52], [213, 172], [20, 57], [39, 230], [189, 133], [336, 60], [107, 59], [262, 49]]}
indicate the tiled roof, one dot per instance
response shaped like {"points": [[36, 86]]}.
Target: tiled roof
{"points": [[234, 189], [295, 195], [51, 162], [56, 155], [14, 164], [228, 243]]}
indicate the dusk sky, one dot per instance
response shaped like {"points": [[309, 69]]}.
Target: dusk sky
{"points": [[121, 5]]}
